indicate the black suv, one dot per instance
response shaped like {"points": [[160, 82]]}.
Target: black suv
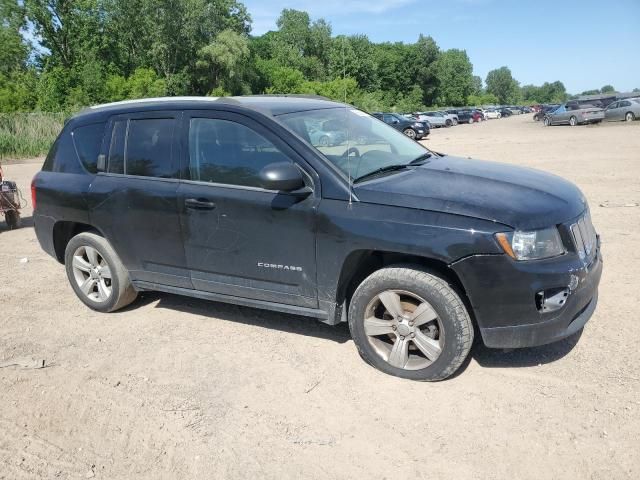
{"points": [[411, 128], [229, 200]]}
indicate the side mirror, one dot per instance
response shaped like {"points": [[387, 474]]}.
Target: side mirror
{"points": [[281, 176]]}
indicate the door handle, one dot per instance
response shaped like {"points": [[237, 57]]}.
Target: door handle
{"points": [[199, 204]]}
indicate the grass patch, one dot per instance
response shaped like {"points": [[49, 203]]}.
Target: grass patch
{"points": [[25, 135]]}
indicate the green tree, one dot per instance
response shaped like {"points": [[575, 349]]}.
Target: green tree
{"points": [[285, 80], [423, 68], [455, 77], [501, 83], [607, 89], [353, 57], [223, 61]]}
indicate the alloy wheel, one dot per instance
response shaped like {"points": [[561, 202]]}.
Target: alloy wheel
{"points": [[92, 274], [629, 117], [403, 329]]}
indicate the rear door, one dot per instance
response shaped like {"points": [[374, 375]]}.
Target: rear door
{"points": [[134, 202], [240, 239]]}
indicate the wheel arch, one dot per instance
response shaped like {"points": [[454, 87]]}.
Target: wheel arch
{"points": [[64, 231], [359, 264]]}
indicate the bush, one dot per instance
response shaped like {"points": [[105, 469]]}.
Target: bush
{"points": [[28, 134]]}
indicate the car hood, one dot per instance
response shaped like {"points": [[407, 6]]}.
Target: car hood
{"points": [[522, 198]]}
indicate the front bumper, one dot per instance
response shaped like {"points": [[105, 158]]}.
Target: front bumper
{"points": [[502, 293]]}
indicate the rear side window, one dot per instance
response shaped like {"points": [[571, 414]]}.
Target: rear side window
{"points": [[62, 158], [143, 147], [116, 147], [87, 141], [148, 148]]}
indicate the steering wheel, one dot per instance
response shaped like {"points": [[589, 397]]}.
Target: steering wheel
{"points": [[347, 153]]}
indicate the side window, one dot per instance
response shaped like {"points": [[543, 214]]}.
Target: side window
{"points": [[88, 140], [625, 104], [116, 147], [387, 118], [222, 151], [148, 148], [613, 105]]}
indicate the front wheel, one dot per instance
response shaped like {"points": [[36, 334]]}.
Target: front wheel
{"points": [[96, 274], [470, 120], [448, 123], [410, 132], [573, 121], [410, 323], [547, 121], [629, 117]]}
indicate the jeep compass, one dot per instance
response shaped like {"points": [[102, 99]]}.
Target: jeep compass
{"points": [[233, 200]]}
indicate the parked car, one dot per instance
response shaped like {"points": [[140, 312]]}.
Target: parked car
{"points": [[574, 114], [544, 109], [325, 137], [451, 116], [435, 119], [411, 128], [515, 110], [466, 115], [505, 112], [627, 109], [227, 200], [481, 112], [492, 113]]}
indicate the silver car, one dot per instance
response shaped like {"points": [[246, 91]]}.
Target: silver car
{"points": [[434, 118], [450, 116], [573, 114], [628, 110]]}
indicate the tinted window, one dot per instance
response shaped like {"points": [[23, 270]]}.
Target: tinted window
{"points": [[88, 140], [148, 151], [221, 151], [625, 104], [116, 147]]}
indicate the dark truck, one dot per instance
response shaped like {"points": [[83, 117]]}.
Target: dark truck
{"points": [[228, 199]]}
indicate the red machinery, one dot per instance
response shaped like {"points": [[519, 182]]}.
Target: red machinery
{"points": [[9, 202]]}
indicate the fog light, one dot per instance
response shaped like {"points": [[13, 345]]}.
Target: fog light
{"points": [[552, 299]]}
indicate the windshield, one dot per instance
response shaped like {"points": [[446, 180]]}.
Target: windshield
{"points": [[352, 140]]}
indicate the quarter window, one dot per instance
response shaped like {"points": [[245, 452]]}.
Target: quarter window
{"points": [[88, 140], [222, 151]]}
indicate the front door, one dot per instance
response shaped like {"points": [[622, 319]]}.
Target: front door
{"points": [[240, 239]]}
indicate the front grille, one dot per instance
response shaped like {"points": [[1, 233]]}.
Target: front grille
{"points": [[584, 237]]}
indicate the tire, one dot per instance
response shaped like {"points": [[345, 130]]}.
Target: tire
{"points": [[547, 122], [629, 117], [448, 123], [410, 132], [573, 121], [12, 217], [446, 331], [455, 122], [120, 291], [470, 120], [536, 118], [324, 141]]}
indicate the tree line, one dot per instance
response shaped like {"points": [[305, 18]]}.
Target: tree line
{"points": [[60, 55]]}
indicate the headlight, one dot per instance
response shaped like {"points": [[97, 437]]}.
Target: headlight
{"points": [[531, 245]]}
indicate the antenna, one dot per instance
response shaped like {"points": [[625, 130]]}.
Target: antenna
{"points": [[346, 116]]}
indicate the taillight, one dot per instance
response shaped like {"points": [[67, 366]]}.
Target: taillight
{"points": [[33, 193]]}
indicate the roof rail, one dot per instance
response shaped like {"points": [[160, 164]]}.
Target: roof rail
{"points": [[155, 99], [292, 95]]}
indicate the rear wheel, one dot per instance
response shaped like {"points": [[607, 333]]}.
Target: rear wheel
{"points": [[629, 117], [448, 123], [324, 141], [410, 323], [96, 274], [12, 217], [410, 132], [573, 121], [547, 121]]}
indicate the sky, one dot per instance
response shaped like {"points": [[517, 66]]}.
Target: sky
{"points": [[586, 44]]}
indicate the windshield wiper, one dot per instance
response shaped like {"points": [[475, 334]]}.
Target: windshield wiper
{"points": [[420, 160], [378, 171]]}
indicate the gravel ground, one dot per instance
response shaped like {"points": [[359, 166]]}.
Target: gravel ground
{"points": [[179, 388]]}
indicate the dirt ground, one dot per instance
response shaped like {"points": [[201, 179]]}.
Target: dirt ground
{"points": [[179, 388]]}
